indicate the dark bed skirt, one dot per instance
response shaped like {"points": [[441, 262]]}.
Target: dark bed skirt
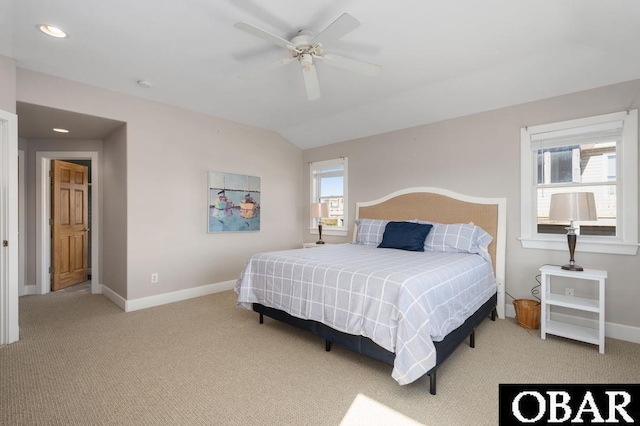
{"points": [[367, 347]]}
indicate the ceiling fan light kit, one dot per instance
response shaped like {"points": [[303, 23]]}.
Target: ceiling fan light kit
{"points": [[305, 47], [306, 60]]}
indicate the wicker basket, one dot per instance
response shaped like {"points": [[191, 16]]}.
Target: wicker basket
{"points": [[527, 313]]}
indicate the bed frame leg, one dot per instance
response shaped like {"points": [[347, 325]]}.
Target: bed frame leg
{"points": [[261, 319], [472, 338], [327, 345], [493, 314], [432, 382]]}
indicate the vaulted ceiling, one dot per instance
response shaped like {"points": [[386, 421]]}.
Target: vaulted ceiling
{"points": [[439, 59]]}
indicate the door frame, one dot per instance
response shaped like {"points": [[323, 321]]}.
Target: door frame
{"points": [[22, 255], [43, 214], [9, 329]]}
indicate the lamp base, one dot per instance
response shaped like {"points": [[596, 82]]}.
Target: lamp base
{"points": [[571, 240], [319, 242], [572, 267]]}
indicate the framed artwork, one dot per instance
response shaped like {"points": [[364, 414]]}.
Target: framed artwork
{"points": [[234, 202]]}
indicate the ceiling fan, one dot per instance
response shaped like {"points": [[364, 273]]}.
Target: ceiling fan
{"points": [[305, 48]]}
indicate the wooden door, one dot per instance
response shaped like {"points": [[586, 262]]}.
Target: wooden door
{"points": [[69, 232]]}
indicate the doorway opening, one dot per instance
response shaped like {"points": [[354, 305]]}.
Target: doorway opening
{"points": [[9, 330], [43, 216]]}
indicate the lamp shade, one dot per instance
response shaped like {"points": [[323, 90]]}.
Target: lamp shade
{"points": [[573, 206], [319, 210]]}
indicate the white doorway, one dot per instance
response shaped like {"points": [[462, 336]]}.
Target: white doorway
{"points": [[43, 213], [9, 330], [22, 251]]}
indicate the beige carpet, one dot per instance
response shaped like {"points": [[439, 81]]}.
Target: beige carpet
{"points": [[83, 361]]}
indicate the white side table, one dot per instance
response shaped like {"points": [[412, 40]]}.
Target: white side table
{"points": [[548, 299]]}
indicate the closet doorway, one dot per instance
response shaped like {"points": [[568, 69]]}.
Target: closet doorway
{"points": [[43, 212]]}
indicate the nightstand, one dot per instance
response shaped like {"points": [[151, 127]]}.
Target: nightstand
{"points": [[548, 299], [314, 245]]}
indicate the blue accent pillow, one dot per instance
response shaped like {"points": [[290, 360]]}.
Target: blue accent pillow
{"points": [[405, 236]]}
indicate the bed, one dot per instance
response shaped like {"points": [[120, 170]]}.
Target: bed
{"points": [[408, 308]]}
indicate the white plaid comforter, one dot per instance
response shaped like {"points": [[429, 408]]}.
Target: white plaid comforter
{"points": [[403, 301]]}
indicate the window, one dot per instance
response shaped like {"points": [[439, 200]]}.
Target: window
{"points": [[329, 185], [596, 154]]}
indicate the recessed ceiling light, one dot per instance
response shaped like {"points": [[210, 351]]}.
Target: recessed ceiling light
{"points": [[144, 83], [52, 31], [55, 129]]}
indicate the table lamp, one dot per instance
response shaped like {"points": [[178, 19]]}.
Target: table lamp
{"points": [[319, 211], [572, 206]]}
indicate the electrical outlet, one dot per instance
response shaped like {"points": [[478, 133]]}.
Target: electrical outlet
{"points": [[568, 291], [154, 277]]}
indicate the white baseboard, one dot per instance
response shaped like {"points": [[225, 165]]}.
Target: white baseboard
{"points": [[510, 311], [165, 298], [119, 301], [27, 290], [615, 331]]}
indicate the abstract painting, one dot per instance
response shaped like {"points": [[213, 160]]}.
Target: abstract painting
{"points": [[234, 202]]}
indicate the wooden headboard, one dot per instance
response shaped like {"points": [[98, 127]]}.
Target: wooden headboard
{"points": [[443, 206]]}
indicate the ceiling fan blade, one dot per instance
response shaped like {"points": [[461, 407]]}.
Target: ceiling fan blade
{"points": [[266, 35], [262, 70], [338, 28], [257, 9], [352, 65], [311, 82]]}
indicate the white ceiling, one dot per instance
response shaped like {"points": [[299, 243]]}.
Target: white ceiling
{"points": [[38, 122], [440, 59]]}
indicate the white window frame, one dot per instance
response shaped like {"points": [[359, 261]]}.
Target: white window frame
{"points": [[626, 240], [319, 165]]}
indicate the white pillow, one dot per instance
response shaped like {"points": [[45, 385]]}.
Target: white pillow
{"points": [[459, 238], [370, 231]]}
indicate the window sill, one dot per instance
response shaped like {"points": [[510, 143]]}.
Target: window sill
{"points": [[340, 232], [583, 245]]}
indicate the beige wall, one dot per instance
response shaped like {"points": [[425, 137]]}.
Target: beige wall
{"points": [[114, 212], [156, 185], [163, 189], [480, 155], [7, 86]]}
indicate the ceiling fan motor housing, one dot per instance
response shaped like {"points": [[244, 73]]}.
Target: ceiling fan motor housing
{"points": [[303, 39]]}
